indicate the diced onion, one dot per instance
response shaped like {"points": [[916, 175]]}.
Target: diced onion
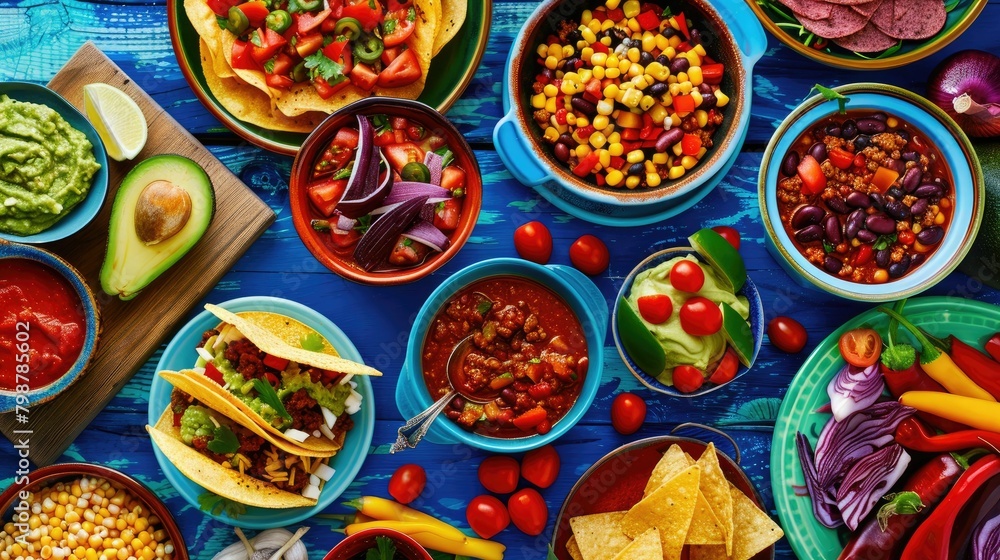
{"points": [[315, 480], [311, 492], [317, 433], [324, 472], [346, 378], [205, 354], [326, 432], [297, 435], [328, 417]]}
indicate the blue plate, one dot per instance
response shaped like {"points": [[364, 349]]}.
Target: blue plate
{"points": [[84, 212], [180, 354]]}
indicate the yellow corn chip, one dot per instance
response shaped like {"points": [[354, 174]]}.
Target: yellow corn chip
{"points": [[670, 509], [573, 549], [672, 462], [646, 547], [757, 530], [599, 536], [716, 489], [708, 552], [705, 527]]}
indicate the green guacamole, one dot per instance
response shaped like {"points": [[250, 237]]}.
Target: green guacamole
{"points": [[196, 422], [680, 347], [46, 167]]}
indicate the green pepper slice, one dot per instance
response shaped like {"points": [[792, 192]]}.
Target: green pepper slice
{"points": [[278, 21], [237, 22], [300, 73], [304, 5], [416, 171], [368, 49], [348, 27]]}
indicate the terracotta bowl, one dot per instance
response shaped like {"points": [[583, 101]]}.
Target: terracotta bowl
{"points": [[358, 543], [303, 211], [47, 476]]}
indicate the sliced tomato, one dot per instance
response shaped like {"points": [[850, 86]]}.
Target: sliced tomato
{"points": [[275, 362], [335, 49], [346, 138], [400, 24], [452, 178], [255, 11], [221, 7], [860, 347], [214, 374], [690, 144], [270, 43], [400, 154], [277, 81], [367, 12], [401, 72], [306, 45], [307, 22], [283, 64], [325, 90], [841, 158], [242, 57], [447, 215], [326, 194], [344, 239], [813, 179], [727, 368], [363, 76], [389, 54]]}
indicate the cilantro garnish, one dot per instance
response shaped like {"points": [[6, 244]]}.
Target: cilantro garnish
{"points": [[831, 95], [364, 222], [385, 549], [411, 15], [344, 173], [255, 39], [269, 66], [320, 65], [216, 505], [312, 341], [223, 22], [884, 241], [535, 361], [225, 441], [484, 307], [381, 123], [270, 398], [828, 247], [666, 12]]}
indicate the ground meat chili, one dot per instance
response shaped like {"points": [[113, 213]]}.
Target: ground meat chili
{"points": [[529, 353], [627, 94], [864, 196]]}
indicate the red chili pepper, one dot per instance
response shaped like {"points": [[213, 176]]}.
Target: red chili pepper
{"points": [[914, 378], [932, 540], [978, 366], [862, 255], [930, 484], [993, 346], [682, 24], [914, 434]]}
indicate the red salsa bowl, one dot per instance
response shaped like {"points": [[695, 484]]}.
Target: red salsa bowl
{"points": [[395, 168]]}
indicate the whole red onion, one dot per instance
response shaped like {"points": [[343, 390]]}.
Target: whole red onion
{"points": [[967, 86]]}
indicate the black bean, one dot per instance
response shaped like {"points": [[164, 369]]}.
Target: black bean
{"points": [[895, 192], [645, 58], [584, 106], [807, 216], [883, 257], [809, 233], [871, 126], [573, 63], [660, 88], [918, 259], [855, 223], [858, 199], [679, 64], [911, 179], [832, 265], [878, 200], [861, 142], [790, 165], [880, 116], [574, 36], [898, 269], [911, 156], [832, 230], [566, 139], [669, 138], [708, 101], [636, 169], [662, 59], [928, 190], [849, 129], [897, 209], [818, 151], [880, 224], [931, 235], [561, 152], [903, 134], [833, 130], [668, 32], [838, 205], [866, 236], [695, 37], [458, 403], [919, 206]]}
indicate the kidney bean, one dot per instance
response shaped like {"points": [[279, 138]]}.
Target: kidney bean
{"points": [[897, 165], [897, 209], [509, 395], [880, 116], [679, 64], [849, 129], [880, 224], [708, 100], [807, 215], [878, 200], [789, 166], [561, 151], [931, 235], [898, 269], [550, 74], [833, 130], [637, 169], [584, 106], [695, 37], [895, 192], [919, 207], [818, 151], [883, 257], [858, 199], [911, 156], [705, 88], [660, 88], [871, 126], [861, 142], [838, 205], [855, 223], [911, 179], [458, 403], [918, 259], [832, 265], [809, 233], [669, 138], [928, 190], [832, 229], [903, 134], [453, 414], [645, 58], [662, 59], [866, 236]]}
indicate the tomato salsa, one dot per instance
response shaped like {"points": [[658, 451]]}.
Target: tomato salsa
{"points": [[528, 356], [42, 324], [865, 196]]}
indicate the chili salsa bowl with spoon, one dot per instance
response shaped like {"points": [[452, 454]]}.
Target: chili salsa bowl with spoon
{"points": [[549, 324]]}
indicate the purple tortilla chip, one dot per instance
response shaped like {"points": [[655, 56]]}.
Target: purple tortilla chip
{"points": [[812, 9], [868, 8], [847, 2], [842, 22], [868, 40], [910, 19]]}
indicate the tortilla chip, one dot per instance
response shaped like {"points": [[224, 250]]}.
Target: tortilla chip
{"points": [[262, 335], [757, 530], [646, 547], [573, 549], [708, 552], [599, 536], [716, 489], [228, 483], [669, 509], [453, 14], [705, 527], [673, 462]]}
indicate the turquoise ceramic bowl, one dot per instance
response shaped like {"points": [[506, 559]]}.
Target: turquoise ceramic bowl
{"points": [[577, 290], [749, 290], [38, 395], [940, 130], [180, 354], [84, 212], [735, 39]]}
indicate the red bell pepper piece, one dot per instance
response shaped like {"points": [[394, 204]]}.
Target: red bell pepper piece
{"points": [[712, 73], [586, 165], [255, 11], [241, 56], [616, 14], [617, 162], [914, 378], [684, 103], [841, 158], [214, 374], [274, 362], [648, 20], [630, 134], [914, 434], [306, 22], [530, 419], [594, 88], [682, 24], [600, 47], [993, 346], [978, 366], [811, 174]]}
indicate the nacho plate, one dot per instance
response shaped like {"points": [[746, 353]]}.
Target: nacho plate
{"points": [[180, 353], [447, 79]]}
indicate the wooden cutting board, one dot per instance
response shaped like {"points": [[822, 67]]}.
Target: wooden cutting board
{"points": [[133, 330]]}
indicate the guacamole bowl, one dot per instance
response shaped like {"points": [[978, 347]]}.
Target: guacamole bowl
{"points": [[655, 380], [83, 212]]}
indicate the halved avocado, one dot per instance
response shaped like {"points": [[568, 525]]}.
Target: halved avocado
{"points": [[163, 207], [737, 331], [723, 257]]}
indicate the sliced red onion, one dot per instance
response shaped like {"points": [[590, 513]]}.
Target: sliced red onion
{"points": [[434, 163], [986, 538], [823, 500], [372, 192], [425, 232], [377, 242], [868, 480], [854, 389], [345, 224], [841, 444], [410, 189]]}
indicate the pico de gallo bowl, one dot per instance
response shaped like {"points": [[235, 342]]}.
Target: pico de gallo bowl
{"points": [[385, 191]]}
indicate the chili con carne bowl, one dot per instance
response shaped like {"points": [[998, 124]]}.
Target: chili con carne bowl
{"points": [[535, 359], [877, 203]]}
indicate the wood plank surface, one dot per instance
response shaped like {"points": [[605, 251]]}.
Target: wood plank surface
{"points": [[132, 330]]}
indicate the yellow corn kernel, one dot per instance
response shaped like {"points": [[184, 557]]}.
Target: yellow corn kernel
{"points": [[635, 156], [594, 26], [675, 120], [676, 172], [661, 42], [634, 54], [605, 107], [560, 128], [614, 137], [677, 149], [657, 112], [648, 41], [649, 80], [568, 51], [672, 21], [582, 121], [646, 102], [631, 8], [881, 275], [599, 59], [700, 49], [598, 140], [721, 99], [687, 162], [612, 4], [605, 25], [616, 148], [598, 72], [701, 153], [571, 76], [657, 71], [612, 61], [587, 52], [702, 118], [609, 130], [611, 91], [614, 178], [571, 118], [550, 104], [555, 51], [639, 82], [672, 79], [582, 151], [695, 76], [551, 63], [624, 65], [585, 75], [542, 50], [660, 158], [623, 87], [636, 70], [633, 181], [682, 77], [586, 17], [652, 179], [634, 27], [604, 156], [600, 122], [694, 58], [696, 95], [612, 73], [550, 90], [675, 89], [570, 87], [629, 120], [685, 87], [649, 166], [632, 97]]}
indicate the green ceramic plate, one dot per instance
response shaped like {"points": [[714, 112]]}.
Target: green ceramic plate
{"points": [[971, 321], [781, 23], [451, 71]]}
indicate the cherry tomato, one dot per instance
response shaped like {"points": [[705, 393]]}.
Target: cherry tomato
{"points": [[499, 474], [541, 466], [528, 510], [407, 483], [787, 334], [688, 379], [729, 234], [861, 347], [628, 412], [533, 242], [700, 317], [656, 308], [687, 276], [487, 516], [727, 368], [590, 255]]}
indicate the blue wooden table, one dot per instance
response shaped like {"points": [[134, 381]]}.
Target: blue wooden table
{"points": [[38, 36]]}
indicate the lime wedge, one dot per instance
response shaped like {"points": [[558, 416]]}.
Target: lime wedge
{"points": [[117, 119], [737, 331], [639, 343], [723, 257]]}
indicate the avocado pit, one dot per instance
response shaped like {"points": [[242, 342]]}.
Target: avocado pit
{"points": [[162, 210]]}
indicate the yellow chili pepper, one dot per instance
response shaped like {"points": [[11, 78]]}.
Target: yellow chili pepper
{"points": [[973, 412], [388, 510], [473, 548], [408, 527]]}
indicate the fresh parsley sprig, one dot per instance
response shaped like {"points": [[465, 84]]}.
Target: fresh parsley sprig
{"points": [[270, 398]]}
